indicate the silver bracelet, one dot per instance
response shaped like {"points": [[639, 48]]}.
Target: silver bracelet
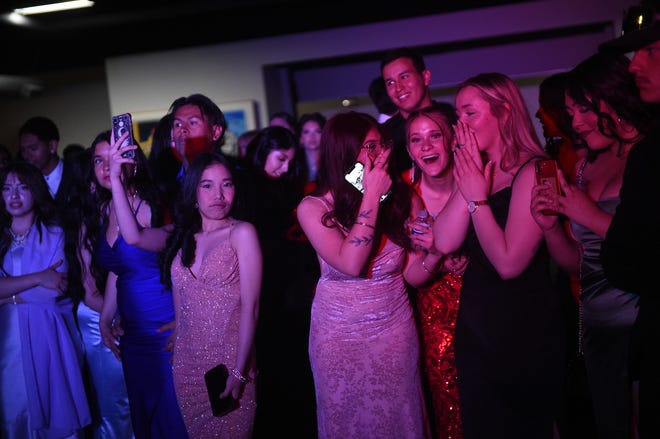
{"points": [[239, 376]]}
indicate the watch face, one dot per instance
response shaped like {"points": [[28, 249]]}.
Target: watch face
{"points": [[472, 206]]}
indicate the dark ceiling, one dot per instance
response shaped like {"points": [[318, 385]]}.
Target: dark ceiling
{"points": [[84, 38]]}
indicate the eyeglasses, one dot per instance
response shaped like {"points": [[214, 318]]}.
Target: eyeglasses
{"points": [[370, 146], [636, 18]]}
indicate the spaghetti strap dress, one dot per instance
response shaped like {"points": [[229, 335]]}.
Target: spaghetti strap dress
{"points": [[207, 336], [365, 354], [508, 344], [144, 304], [608, 315]]}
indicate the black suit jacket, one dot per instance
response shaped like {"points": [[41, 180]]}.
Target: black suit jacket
{"points": [[64, 189], [630, 252], [630, 256]]}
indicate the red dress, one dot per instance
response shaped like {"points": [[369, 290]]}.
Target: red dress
{"points": [[437, 307]]}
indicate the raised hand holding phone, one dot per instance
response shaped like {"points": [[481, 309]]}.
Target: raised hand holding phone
{"points": [[356, 175], [375, 174], [123, 124]]}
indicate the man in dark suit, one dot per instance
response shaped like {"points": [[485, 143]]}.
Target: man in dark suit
{"points": [[38, 139], [632, 244]]}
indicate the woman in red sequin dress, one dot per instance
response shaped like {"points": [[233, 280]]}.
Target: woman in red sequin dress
{"points": [[430, 140]]}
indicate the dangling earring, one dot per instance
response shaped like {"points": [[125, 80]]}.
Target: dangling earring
{"points": [[134, 170], [412, 173], [196, 206]]}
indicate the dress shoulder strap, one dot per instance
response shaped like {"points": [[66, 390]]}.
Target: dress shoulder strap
{"points": [[321, 200], [137, 207], [525, 164]]}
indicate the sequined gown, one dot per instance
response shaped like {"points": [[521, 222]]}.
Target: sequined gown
{"points": [[208, 335], [509, 344], [144, 305], [608, 315], [437, 307], [364, 353]]}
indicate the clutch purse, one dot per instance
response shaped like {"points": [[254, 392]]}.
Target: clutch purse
{"points": [[216, 381]]}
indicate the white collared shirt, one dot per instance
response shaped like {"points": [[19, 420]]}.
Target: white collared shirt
{"points": [[55, 177]]}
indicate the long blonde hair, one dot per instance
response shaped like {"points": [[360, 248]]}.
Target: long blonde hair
{"points": [[515, 124]]}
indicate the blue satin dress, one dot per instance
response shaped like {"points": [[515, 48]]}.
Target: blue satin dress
{"points": [[104, 379], [42, 394], [144, 304]]}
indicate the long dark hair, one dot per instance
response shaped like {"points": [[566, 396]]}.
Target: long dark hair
{"points": [[604, 78], [340, 145], [187, 219], [138, 177], [45, 211], [273, 138], [81, 221]]}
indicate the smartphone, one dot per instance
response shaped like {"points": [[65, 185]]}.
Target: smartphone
{"points": [[355, 176], [546, 173], [216, 381], [121, 124]]}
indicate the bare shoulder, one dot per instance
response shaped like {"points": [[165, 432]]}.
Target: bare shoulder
{"points": [[312, 205], [526, 174], [243, 229]]}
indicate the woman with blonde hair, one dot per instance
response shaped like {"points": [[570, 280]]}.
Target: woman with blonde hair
{"points": [[509, 342]]}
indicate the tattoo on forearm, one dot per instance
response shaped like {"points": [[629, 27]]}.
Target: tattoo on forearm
{"points": [[361, 240], [365, 215]]}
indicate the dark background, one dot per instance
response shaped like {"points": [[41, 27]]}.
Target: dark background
{"points": [[85, 37]]}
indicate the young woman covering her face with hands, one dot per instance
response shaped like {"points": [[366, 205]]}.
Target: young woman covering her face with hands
{"points": [[509, 352], [363, 345]]}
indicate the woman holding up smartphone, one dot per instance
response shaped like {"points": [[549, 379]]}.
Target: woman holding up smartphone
{"points": [[508, 340], [127, 246], [364, 346], [608, 115]]}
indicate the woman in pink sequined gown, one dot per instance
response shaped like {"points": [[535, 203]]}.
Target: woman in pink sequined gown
{"points": [[430, 139], [364, 346], [215, 264]]}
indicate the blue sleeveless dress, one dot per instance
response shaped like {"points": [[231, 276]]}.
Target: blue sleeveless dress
{"points": [[144, 304]]}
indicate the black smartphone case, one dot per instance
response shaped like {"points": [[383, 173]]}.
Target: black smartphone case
{"points": [[216, 380]]}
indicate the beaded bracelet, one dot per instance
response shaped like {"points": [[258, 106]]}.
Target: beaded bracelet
{"points": [[365, 224], [239, 376]]}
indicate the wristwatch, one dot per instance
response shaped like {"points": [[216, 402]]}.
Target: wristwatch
{"points": [[472, 205]]}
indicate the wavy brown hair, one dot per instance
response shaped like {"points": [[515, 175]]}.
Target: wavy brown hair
{"points": [[341, 142]]}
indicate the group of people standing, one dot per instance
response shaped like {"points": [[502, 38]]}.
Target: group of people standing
{"points": [[417, 302]]}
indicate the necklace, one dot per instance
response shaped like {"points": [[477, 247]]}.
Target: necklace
{"points": [[19, 240]]}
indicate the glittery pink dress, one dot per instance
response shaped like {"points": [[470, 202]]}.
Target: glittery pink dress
{"points": [[364, 352], [207, 336]]}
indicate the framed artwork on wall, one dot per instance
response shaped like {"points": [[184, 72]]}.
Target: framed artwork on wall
{"points": [[241, 116]]}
